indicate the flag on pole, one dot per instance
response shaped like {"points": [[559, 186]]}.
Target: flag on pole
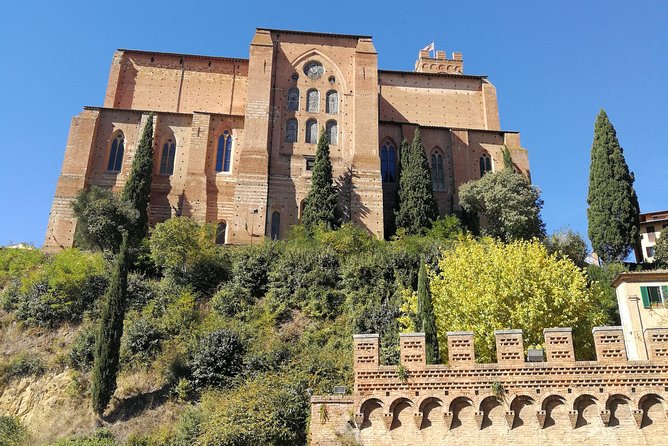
{"points": [[429, 47]]}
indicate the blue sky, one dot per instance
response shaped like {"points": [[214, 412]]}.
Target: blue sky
{"points": [[554, 64]]}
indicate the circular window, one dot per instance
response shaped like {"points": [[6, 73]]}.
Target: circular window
{"points": [[314, 69], [295, 77]]}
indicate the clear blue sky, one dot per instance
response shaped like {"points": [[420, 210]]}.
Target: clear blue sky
{"points": [[554, 64]]}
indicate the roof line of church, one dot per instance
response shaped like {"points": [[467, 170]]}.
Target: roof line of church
{"points": [[420, 73], [195, 56], [442, 127], [311, 33]]}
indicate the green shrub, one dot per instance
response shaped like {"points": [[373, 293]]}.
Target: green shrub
{"points": [[81, 353], [251, 265], [16, 264], [101, 437], [231, 299], [142, 340], [21, 365], [140, 291], [12, 432], [209, 270], [216, 358]]}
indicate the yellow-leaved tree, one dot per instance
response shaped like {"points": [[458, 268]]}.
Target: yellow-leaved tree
{"points": [[486, 285]]}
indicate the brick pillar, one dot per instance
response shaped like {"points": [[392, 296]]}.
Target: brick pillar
{"points": [[413, 350], [559, 345], [509, 347], [609, 344], [656, 340], [460, 348], [195, 191], [366, 349]]}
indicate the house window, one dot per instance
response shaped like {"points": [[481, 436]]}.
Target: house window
{"points": [[312, 131], [291, 130], [388, 162], [275, 225], [116, 153], [224, 152], [651, 234], [332, 102], [650, 250], [221, 233], [653, 295], [313, 101], [485, 164], [310, 162], [167, 159], [293, 99], [333, 132], [437, 173]]}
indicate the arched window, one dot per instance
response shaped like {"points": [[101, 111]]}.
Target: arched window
{"points": [[312, 131], [291, 130], [116, 153], [332, 102], [485, 164], [313, 101], [275, 225], [224, 152], [437, 172], [167, 158], [388, 162], [221, 233], [293, 99], [332, 132]]}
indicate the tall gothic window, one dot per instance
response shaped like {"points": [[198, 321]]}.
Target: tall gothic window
{"points": [[388, 162], [437, 172], [291, 130], [116, 153], [332, 102], [313, 101], [224, 152], [167, 158], [332, 132], [485, 164], [221, 233], [275, 225], [312, 131], [293, 99]]}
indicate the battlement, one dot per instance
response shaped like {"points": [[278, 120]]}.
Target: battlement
{"points": [[439, 63], [556, 399]]}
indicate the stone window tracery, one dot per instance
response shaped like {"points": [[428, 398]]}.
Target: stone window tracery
{"points": [[485, 164], [291, 130], [312, 131], [332, 102], [437, 171], [332, 132], [168, 156], [388, 162], [293, 99], [314, 70], [313, 101], [224, 152], [116, 153]]}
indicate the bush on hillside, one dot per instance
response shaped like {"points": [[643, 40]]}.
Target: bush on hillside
{"points": [[142, 340], [12, 432], [101, 437], [231, 299], [216, 358], [80, 356], [19, 366], [251, 265], [16, 264]]}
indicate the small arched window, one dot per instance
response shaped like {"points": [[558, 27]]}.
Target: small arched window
{"points": [[485, 164], [224, 152], [332, 132], [275, 225], [116, 153], [221, 233], [332, 102], [167, 158], [388, 162], [312, 131], [291, 130], [313, 101], [293, 99], [437, 171]]}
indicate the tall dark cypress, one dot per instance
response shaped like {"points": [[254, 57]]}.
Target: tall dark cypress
{"points": [[417, 205], [613, 212], [321, 203], [425, 316], [110, 331], [137, 190]]}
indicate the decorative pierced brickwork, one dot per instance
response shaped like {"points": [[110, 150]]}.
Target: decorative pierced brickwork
{"points": [[412, 348], [460, 348], [657, 343]]}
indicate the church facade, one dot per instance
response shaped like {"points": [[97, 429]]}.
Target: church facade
{"points": [[235, 139]]}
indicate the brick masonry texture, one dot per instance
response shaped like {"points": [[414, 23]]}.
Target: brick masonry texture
{"points": [[196, 98], [610, 401]]}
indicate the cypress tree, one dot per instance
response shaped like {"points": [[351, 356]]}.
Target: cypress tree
{"points": [[507, 159], [417, 205], [321, 203], [425, 316], [613, 212], [108, 339], [137, 190]]}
